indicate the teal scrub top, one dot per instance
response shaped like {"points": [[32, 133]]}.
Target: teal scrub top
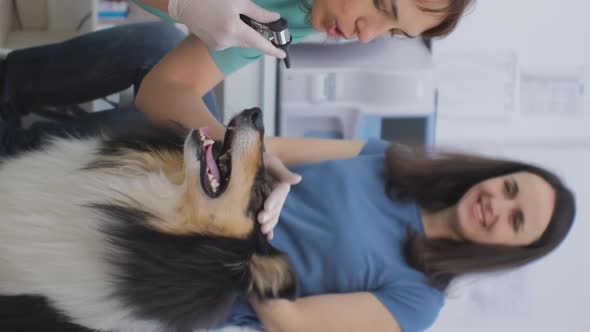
{"points": [[232, 59]]}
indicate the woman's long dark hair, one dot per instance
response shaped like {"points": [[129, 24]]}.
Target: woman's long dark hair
{"points": [[438, 181], [452, 13]]}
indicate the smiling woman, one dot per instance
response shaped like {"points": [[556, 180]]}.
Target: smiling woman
{"points": [[479, 214]]}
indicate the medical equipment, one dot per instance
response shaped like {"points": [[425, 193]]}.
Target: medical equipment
{"points": [[277, 32], [384, 89]]}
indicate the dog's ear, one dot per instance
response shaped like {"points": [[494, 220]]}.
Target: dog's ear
{"points": [[273, 277]]}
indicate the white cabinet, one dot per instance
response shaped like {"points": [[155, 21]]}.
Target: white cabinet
{"points": [[359, 91], [338, 89], [29, 23], [545, 95], [49, 21]]}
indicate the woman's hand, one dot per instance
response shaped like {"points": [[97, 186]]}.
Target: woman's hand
{"points": [[269, 217], [217, 23]]}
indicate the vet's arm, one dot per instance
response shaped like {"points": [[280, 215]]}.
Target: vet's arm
{"points": [[334, 312], [293, 151], [174, 88]]}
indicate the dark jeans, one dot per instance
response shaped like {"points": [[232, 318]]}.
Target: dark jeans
{"points": [[81, 69]]}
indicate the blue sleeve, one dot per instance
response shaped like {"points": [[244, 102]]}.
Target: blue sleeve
{"points": [[375, 146], [414, 306]]}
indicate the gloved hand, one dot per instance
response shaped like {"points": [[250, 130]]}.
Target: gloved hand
{"points": [[269, 217], [217, 23]]}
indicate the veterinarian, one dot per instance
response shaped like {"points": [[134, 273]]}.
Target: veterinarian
{"points": [[216, 25]]}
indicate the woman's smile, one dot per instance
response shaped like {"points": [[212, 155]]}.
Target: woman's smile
{"points": [[478, 213], [482, 212]]}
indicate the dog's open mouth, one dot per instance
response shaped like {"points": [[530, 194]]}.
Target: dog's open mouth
{"points": [[215, 158]]}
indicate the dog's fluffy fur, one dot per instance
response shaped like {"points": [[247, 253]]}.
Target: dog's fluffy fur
{"points": [[117, 232]]}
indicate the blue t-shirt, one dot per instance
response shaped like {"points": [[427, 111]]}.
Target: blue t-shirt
{"points": [[343, 233], [232, 59]]}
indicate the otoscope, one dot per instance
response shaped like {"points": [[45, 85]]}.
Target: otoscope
{"points": [[276, 32]]}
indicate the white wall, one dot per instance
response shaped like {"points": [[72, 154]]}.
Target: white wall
{"points": [[552, 294], [542, 31], [545, 36]]}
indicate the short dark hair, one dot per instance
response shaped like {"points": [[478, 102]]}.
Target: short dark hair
{"points": [[453, 13], [436, 181]]}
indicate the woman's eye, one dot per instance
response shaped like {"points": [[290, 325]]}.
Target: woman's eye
{"points": [[507, 187], [510, 188], [517, 221]]}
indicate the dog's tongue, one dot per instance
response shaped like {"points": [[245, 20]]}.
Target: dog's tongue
{"points": [[211, 164]]}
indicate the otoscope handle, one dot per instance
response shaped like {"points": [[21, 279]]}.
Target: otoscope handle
{"points": [[277, 32]]}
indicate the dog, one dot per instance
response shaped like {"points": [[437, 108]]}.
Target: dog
{"points": [[150, 229]]}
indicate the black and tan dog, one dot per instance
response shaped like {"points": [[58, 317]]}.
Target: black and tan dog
{"points": [[148, 230]]}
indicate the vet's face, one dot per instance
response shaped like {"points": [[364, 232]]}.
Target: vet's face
{"points": [[512, 210], [225, 183], [368, 19]]}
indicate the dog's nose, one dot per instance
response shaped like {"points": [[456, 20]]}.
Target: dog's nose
{"points": [[255, 115]]}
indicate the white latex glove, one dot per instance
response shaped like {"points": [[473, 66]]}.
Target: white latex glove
{"points": [[217, 23], [269, 217]]}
